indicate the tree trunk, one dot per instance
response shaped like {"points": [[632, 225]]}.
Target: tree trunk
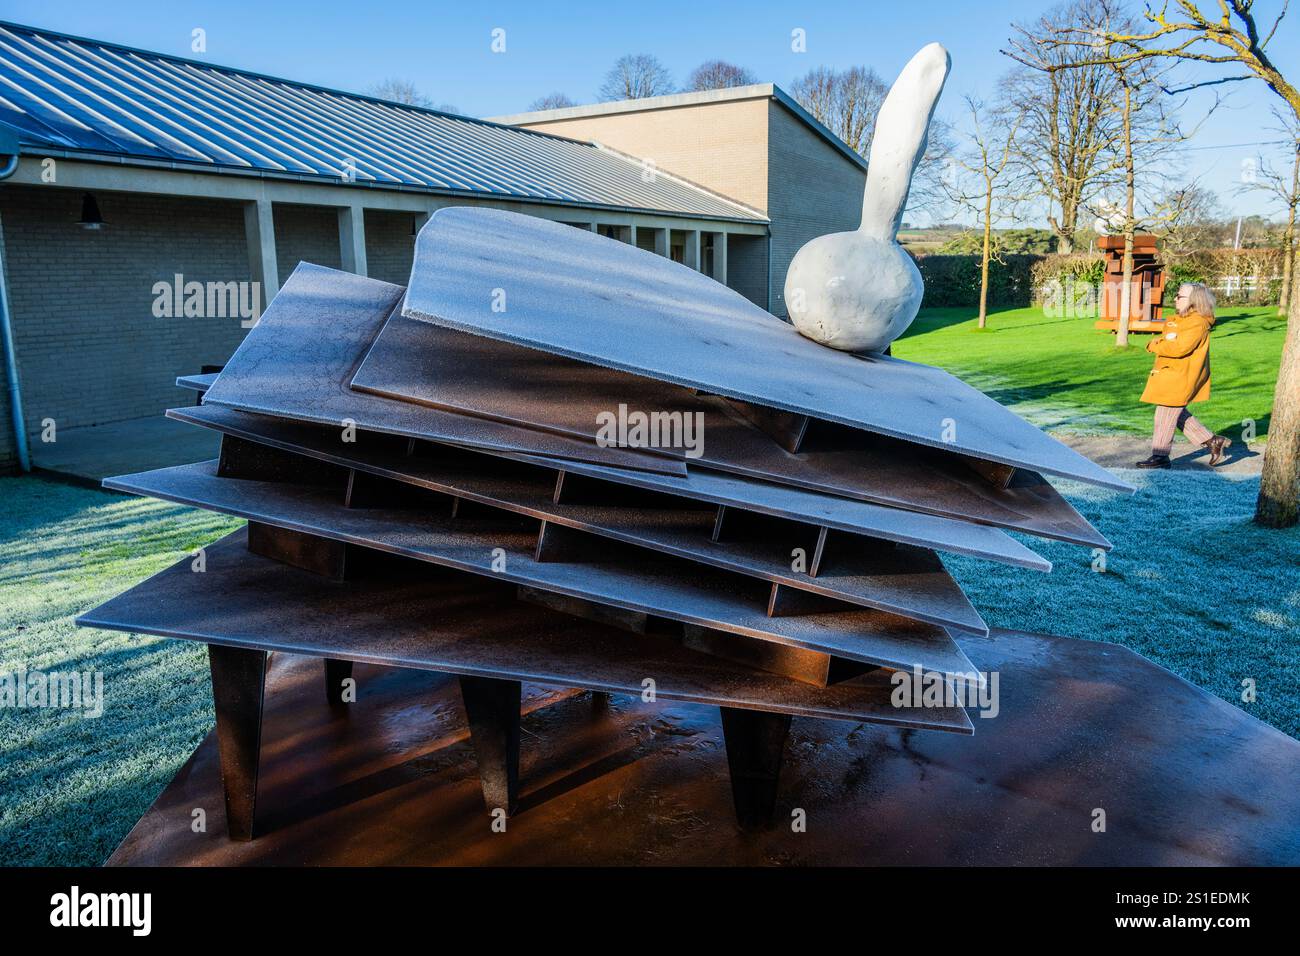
{"points": [[984, 258], [1288, 241], [1276, 506], [1288, 257], [1126, 290], [1064, 229]]}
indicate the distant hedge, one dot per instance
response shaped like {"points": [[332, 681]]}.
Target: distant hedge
{"points": [[1237, 276], [952, 280]]}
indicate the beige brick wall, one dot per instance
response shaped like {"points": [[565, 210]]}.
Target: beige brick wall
{"points": [[311, 234], [90, 350], [306, 234], [814, 189], [390, 247], [747, 267], [720, 146]]}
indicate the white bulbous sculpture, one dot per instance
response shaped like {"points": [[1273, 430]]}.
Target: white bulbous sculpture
{"points": [[858, 291]]}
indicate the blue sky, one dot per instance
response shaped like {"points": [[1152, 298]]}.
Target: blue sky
{"points": [[445, 50]]}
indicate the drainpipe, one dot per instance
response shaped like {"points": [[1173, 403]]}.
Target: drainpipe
{"points": [[9, 151]]}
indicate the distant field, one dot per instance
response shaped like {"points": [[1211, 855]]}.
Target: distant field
{"points": [[1066, 376], [926, 240]]}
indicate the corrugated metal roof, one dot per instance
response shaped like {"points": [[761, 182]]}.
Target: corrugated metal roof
{"points": [[79, 95]]}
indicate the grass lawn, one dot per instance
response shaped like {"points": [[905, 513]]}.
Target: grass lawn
{"points": [[71, 786], [1191, 584], [1064, 375]]}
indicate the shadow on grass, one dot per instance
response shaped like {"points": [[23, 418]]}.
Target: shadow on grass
{"points": [[1041, 391], [76, 785]]}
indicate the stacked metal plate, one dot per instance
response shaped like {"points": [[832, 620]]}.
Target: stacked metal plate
{"points": [[557, 458]]}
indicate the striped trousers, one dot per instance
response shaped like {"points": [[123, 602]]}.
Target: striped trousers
{"points": [[1170, 417]]}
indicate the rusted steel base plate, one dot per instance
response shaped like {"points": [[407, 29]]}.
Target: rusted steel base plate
{"points": [[1183, 777]]}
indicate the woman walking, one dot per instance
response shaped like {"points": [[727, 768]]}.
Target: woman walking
{"points": [[1182, 376]]}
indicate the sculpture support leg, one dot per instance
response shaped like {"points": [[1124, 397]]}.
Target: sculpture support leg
{"points": [[238, 684], [493, 708], [336, 672], [755, 746]]}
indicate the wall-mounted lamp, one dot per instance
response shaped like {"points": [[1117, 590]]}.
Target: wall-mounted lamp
{"points": [[90, 216]]}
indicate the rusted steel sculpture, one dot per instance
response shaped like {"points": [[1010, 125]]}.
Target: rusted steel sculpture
{"points": [[1147, 289], [430, 483]]}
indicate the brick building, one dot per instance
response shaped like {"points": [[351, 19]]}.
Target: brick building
{"points": [[219, 177]]}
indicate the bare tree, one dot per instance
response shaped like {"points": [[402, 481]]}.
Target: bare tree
{"points": [[718, 75], [1229, 38], [1199, 220], [634, 77], [1142, 123], [847, 101], [1140, 160], [844, 101], [1068, 120], [551, 101], [929, 190], [1283, 185], [400, 91], [985, 181]]}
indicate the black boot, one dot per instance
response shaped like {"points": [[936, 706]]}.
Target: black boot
{"points": [[1155, 461]]}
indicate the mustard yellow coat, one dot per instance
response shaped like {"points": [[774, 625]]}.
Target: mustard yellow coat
{"points": [[1182, 371]]}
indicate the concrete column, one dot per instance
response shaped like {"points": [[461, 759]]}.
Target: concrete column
{"points": [[631, 234], [691, 253], [720, 257], [259, 233], [592, 227], [661, 242], [352, 238]]}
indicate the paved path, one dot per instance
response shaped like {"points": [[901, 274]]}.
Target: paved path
{"points": [[1123, 451], [88, 455]]}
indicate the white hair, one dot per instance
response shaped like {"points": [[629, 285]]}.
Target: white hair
{"points": [[1199, 299]]}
